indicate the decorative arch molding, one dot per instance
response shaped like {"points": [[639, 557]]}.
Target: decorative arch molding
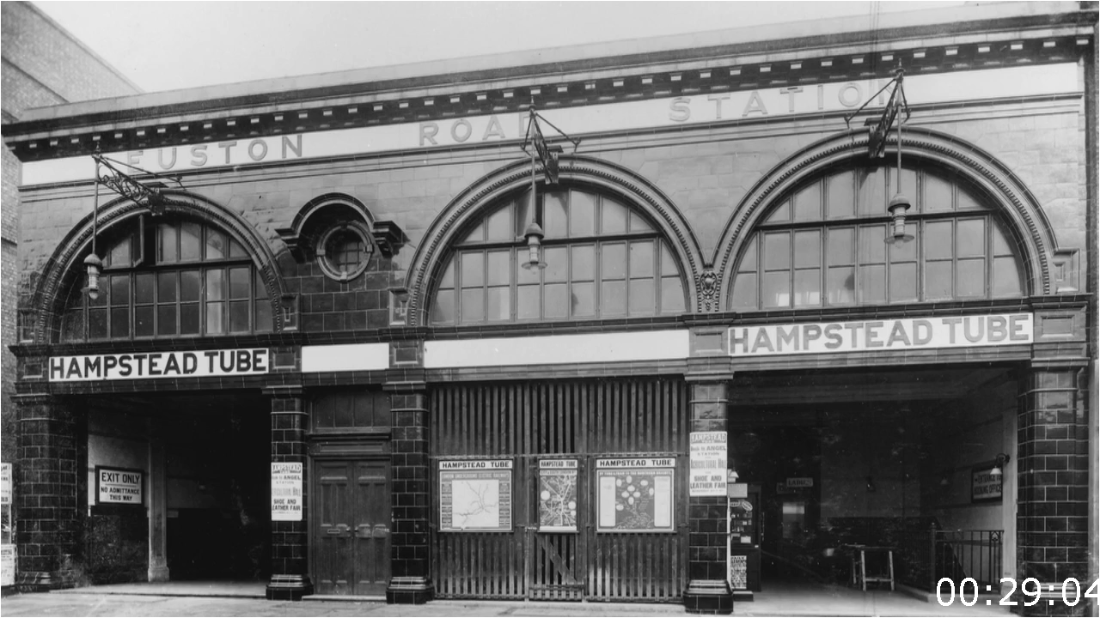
{"points": [[1012, 198], [576, 170], [66, 263]]}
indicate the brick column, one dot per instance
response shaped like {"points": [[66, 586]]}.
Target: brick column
{"points": [[411, 562], [289, 539], [1052, 467], [708, 592], [47, 500]]}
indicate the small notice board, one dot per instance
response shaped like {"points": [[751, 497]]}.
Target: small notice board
{"points": [[119, 486]]}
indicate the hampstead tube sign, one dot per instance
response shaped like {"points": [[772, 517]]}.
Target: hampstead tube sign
{"points": [[151, 365], [874, 335]]}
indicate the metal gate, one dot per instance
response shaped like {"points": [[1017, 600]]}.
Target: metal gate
{"points": [[582, 421]]}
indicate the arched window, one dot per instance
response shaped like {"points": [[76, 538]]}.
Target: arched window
{"points": [[170, 278], [825, 245], [603, 259]]}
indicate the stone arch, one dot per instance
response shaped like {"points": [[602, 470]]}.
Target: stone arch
{"points": [[1011, 198], [66, 263], [578, 170]]}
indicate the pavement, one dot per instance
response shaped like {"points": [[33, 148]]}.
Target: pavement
{"points": [[246, 599]]}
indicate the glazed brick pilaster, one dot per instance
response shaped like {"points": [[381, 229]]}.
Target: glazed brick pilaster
{"points": [[410, 550], [1052, 512], [708, 591], [47, 497], [289, 565]]}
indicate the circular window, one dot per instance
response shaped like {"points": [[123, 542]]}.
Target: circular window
{"points": [[344, 252]]}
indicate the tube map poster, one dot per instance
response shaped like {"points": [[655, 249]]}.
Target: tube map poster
{"points": [[475, 496], [558, 495], [635, 495]]}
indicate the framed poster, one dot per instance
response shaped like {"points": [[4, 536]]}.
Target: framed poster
{"points": [[286, 491], [475, 496], [985, 486], [558, 495], [119, 486], [707, 472], [635, 495], [7, 536]]}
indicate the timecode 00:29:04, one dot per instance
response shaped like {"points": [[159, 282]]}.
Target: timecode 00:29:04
{"points": [[969, 591]]}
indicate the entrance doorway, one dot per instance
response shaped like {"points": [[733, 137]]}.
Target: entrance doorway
{"points": [[351, 527]]}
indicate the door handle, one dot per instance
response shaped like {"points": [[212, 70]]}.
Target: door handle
{"points": [[338, 529], [381, 531]]}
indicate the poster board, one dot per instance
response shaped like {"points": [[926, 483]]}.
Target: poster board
{"points": [[558, 495], [475, 496], [286, 491], [7, 527], [707, 472], [984, 486], [636, 495], [122, 486]]}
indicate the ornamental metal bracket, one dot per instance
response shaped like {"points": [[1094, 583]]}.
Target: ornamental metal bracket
{"points": [[147, 195]]}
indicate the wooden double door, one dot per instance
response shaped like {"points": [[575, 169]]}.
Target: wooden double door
{"points": [[351, 523]]}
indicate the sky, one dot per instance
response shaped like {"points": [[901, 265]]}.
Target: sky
{"points": [[169, 45]]}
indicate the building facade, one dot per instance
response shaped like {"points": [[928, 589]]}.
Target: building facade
{"points": [[318, 353]]}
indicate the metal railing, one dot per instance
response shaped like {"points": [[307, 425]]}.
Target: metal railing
{"points": [[931, 555]]}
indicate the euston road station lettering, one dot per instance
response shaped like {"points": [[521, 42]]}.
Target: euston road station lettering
{"points": [[906, 334], [142, 366]]}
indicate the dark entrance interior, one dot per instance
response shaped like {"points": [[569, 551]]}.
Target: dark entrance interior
{"points": [[883, 459], [218, 457]]}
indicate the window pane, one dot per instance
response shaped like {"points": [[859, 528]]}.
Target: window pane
{"points": [[970, 237], [527, 302], [807, 248], [872, 244], [166, 320], [143, 288], [448, 278], [443, 307], [190, 241], [473, 269], [215, 284], [238, 317], [190, 282], [215, 244], [263, 316], [672, 295], [613, 298], [937, 280], [903, 282], [97, 324], [777, 250], [781, 213], [807, 287], [842, 246], [807, 203], [638, 223], [120, 254], [841, 286], [970, 278], [584, 262], [477, 234], [777, 289], [937, 240], [557, 301], [668, 264], [744, 292], [908, 186], [553, 215], [613, 261], [748, 258], [1000, 243], [143, 321], [937, 194], [641, 259], [582, 214], [642, 300], [1006, 278], [259, 290], [189, 319], [526, 275], [613, 218], [967, 201], [872, 192], [500, 224], [166, 287], [500, 304], [840, 202], [235, 249], [104, 291], [214, 318], [167, 250], [120, 290], [583, 299], [500, 267], [872, 284], [524, 213], [557, 264], [120, 322], [905, 251], [473, 306]]}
